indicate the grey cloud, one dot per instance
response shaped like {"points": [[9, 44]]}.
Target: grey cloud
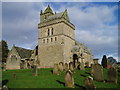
{"points": [[92, 25]]}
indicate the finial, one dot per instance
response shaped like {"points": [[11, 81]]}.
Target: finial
{"points": [[13, 45], [55, 12], [41, 12], [48, 5]]}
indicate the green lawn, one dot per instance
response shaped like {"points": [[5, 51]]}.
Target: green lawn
{"points": [[46, 79]]}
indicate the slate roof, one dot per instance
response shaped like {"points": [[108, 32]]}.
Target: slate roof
{"points": [[53, 17], [24, 53], [80, 45]]}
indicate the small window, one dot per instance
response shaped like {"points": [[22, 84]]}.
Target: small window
{"points": [[48, 32], [55, 38], [43, 40], [13, 58], [52, 31], [47, 40], [51, 39]]}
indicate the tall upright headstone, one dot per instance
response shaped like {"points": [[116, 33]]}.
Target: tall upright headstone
{"points": [[76, 65], [61, 66], [69, 80], [66, 67], [35, 70], [112, 75], [71, 66], [89, 83], [97, 71], [56, 70], [82, 64]]}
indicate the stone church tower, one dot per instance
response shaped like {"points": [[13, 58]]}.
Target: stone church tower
{"points": [[56, 38]]}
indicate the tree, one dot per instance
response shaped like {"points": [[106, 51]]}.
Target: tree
{"points": [[104, 61], [5, 51]]}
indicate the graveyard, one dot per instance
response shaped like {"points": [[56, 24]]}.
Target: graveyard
{"points": [[58, 60], [46, 79]]}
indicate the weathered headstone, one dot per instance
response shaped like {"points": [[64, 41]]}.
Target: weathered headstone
{"points": [[69, 80], [14, 75], [56, 70], [66, 67], [76, 65], [89, 83], [109, 65], [87, 64], [35, 70], [61, 66], [71, 66], [97, 71], [82, 66], [112, 75], [5, 87]]}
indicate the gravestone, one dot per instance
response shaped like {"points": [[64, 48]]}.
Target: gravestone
{"points": [[61, 66], [82, 66], [89, 83], [112, 75], [55, 69], [14, 75], [35, 70], [79, 65], [71, 66], [66, 67], [109, 65], [69, 80], [97, 71], [87, 64], [3, 85], [76, 65]]}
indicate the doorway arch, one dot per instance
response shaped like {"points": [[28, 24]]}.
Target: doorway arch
{"points": [[75, 59]]}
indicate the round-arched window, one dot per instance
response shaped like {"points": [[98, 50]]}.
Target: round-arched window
{"points": [[13, 58], [51, 31], [48, 32]]}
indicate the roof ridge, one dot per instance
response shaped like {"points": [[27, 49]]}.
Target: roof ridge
{"points": [[21, 48]]}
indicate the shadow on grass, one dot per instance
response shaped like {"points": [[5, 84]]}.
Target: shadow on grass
{"points": [[51, 71], [79, 86], [76, 85], [61, 82]]}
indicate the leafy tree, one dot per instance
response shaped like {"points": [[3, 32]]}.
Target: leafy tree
{"points": [[104, 61], [5, 51]]}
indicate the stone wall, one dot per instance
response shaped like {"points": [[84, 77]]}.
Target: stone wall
{"points": [[13, 63]]}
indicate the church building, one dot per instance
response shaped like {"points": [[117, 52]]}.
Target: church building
{"points": [[56, 41]]}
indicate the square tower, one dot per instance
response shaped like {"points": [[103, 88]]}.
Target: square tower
{"points": [[55, 38]]}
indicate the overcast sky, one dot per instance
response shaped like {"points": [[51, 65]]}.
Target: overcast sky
{"points": [[96, 24]]}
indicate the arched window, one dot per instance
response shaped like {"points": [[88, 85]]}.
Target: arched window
{"points": [[55, 38], [43, 40], [52, 31], [47, 40], [48, 32], [13, 58], [51, 39]]}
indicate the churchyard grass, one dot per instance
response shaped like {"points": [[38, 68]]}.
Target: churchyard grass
{"points": [[45, 79]]}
